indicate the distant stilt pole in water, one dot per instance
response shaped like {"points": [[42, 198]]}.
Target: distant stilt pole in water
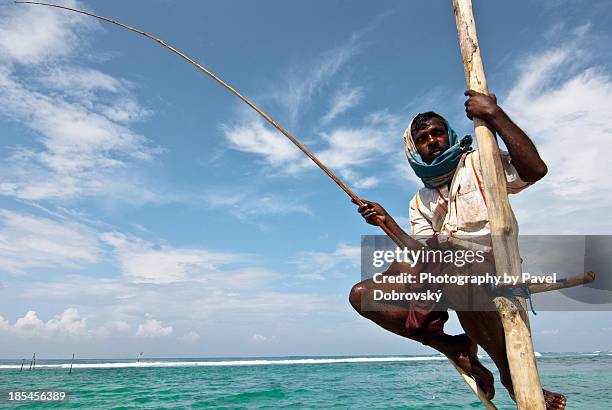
{"points": [[22, 362], [31, 361], [139, 356], [70, 371], [34, 364]]}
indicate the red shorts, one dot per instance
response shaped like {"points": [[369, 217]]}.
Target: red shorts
{"points": [[426, 318]]}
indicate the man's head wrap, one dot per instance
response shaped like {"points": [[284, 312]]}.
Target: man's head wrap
{"points": [[442, 168]]}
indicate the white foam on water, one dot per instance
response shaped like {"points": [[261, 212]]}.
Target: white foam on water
{"points": [[220, 363]]}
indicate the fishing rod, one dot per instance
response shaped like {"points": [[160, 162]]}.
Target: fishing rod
{"points": [[286, 133]]}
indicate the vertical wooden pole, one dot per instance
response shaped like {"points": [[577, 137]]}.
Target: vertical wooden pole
{"points": [[504, 229]]}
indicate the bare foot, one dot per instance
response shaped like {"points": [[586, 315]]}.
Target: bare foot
{"points": [[467, 359], [554, 401]]}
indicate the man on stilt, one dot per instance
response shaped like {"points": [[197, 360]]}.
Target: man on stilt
{"points": [[452, 204]]}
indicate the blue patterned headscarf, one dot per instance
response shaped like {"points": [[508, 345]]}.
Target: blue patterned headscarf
{"points": [[442, 168]]}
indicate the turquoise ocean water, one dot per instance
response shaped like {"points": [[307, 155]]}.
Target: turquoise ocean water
{"points": [[399, 382]]}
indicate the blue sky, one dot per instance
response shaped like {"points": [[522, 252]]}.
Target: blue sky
{"points": [[144, 208]]}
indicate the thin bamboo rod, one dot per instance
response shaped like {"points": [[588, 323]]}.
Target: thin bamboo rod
{"points": [[350, 193]]}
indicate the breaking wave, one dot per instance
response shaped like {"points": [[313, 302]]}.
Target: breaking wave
{"points": [[212, 363]]}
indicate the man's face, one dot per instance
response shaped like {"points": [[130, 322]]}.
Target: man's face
{"points": [[432, 140]]}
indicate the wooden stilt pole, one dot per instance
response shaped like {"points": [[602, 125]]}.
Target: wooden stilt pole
{"points": [[504, 229]]}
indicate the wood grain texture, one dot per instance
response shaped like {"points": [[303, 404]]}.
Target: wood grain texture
{"points": [[504, 229]]}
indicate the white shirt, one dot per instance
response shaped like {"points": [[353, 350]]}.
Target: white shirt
{"points": [[462, 209]]}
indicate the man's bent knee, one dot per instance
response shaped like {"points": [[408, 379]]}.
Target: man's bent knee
{"points": [[356, 295]]}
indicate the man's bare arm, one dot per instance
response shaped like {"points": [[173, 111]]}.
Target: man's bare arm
{"points": [[523, 152]]}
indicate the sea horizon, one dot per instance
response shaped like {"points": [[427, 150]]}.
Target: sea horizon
{"points": [[255, 357], [425, 381]]}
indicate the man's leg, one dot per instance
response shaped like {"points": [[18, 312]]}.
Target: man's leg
{"points": [[490, 336], [458, 348]]}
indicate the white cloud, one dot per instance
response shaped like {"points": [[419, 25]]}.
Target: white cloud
{"points": [[303, 83], [80, 151], [80, 115], [343, 149], [30, 323], [252, 135], [345, 99], [151, 328], [367, 182], [141, 262], [351, 148], [562, 99], [314, 264], [28, 242], [257, 338], [68, 323], [74, 79], [32, 35], [346, 149], [246, 205]]}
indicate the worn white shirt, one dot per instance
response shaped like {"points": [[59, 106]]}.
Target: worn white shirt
{"points": [[460, 210]]}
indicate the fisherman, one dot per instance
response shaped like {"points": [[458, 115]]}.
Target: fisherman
{"points": [[452, 204]]}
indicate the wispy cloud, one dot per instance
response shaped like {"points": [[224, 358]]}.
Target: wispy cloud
{"points": [[29, 242], [303, 83], [82, 116], [120, 308], [32, 35], [141, 262], [561, 98], [351, 149], [346, 150], [343, 149], [315, 264], [251, 134], [345, 99], [249, 204]]}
